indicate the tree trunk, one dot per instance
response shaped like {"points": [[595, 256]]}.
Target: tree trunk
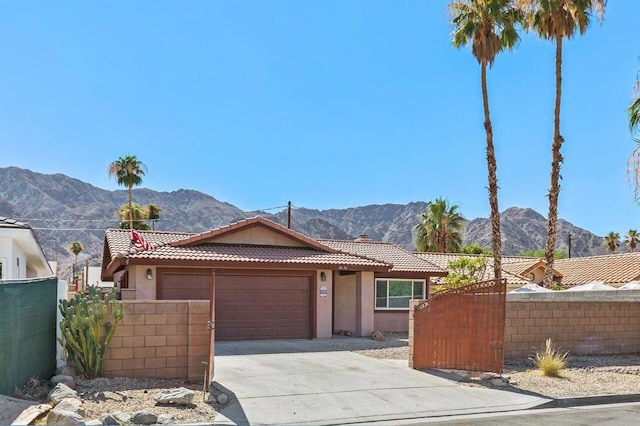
{"points": [[130, 209], [493, 180], [556, 161]]}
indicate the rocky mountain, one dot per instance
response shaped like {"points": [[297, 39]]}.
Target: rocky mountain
{"points": [[62, 209]]}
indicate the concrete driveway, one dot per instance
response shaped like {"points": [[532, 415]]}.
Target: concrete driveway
{"points": [[296, 382]]}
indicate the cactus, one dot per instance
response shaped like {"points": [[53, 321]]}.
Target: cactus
{"points": [[82, 320]]}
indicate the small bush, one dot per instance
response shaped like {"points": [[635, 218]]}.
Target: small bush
{"points": [[550, 360]]}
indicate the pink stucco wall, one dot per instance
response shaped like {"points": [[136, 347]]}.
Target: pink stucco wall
{"points": [[344, 317], [392, 321]]}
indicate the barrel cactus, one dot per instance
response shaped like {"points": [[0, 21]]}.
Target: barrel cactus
{"points": [[85, 330]]}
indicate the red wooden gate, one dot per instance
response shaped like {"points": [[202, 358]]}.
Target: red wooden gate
{"points": [[461, 328]]}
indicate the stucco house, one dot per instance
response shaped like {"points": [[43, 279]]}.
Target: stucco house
{"points": [[21, 255], [270, 281]]}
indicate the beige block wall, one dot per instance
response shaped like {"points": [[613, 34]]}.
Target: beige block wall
{"points": [[580, 327], [163, 339]]}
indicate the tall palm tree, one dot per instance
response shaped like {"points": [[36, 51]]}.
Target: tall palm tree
{"points": [[76, 248], [128, 171], [152, 212], [632, 238], [612, 241], [490, 26], [440, 228], [556, 20], [633, 170]]}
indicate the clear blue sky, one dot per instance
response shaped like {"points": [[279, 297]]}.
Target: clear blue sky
{"points": [[329, 104]]}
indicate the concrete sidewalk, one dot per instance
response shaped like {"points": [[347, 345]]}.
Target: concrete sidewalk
{"points": [[341, 387]]}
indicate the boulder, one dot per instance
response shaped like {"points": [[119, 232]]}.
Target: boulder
{"points": [[498, 382], [67, 370], [61, 378], [377, 335], [71, 404], [178, 396], [60, 392], [109, 419], [144, 418], [62, 417], [94, 422], [120, 417], [487, 376]]}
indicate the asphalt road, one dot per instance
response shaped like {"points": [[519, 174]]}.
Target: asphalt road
{"points": [[601, 415]]}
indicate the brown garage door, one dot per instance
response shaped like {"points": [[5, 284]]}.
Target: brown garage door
{"points": [[181, 285], [250, 307]]}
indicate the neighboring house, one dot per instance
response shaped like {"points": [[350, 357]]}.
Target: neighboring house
{"points": [[270, 282], [21, 255], [409, 278], [614, 269]]}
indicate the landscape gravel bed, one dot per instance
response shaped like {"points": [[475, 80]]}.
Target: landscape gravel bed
{"points": [[108, 395], [584, 375]]}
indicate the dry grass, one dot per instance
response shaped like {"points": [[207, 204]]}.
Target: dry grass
{"points": [[551, 360]]}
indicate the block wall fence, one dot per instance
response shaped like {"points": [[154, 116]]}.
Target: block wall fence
{"points": [[160, 338], [582, 323]]}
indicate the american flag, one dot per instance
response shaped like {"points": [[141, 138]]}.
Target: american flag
{"points": [[138, 241]]}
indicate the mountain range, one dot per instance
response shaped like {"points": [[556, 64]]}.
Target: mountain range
{"points": [[62, 209]]}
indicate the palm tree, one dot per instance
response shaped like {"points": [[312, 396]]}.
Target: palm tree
{"points": [[152, 212], [631, 239], [555, 20], [76, 248], [490, 27], [612, 241], [440, 228], [633, 170], [128, 171]]}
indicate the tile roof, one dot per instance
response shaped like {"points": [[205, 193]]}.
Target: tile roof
{"points": [[401, 259], [118, 244], [611, 268], [6, 222], [443, 259]]}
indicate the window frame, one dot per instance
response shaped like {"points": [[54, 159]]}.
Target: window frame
{"points": [[411, 297]]}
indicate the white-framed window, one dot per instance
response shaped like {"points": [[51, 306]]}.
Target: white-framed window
{"points": [[395, 293]]}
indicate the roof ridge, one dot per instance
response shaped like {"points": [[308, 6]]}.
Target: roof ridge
{"points": [[568, 259]]}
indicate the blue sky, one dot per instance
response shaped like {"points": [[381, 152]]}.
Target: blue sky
{"points": [[328, 104]]}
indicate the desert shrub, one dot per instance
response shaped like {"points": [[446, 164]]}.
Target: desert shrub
{"points": [[465, 270], [550, 360], [83, 321]]}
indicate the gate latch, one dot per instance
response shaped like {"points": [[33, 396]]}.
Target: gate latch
{"points": [[210, 325]]}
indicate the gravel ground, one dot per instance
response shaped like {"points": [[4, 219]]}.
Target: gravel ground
{"points": [[585, 376]]}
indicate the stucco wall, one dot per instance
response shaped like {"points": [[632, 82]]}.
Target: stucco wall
{"points": [[391, 321], [258, 235], [324, 296]]}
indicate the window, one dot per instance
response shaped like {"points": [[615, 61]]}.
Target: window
{"points": [[396, 293]]}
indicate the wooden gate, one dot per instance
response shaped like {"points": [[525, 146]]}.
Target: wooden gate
{"points": [[461, 328]]}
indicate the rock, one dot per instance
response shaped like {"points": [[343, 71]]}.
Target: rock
{"points": [[506, 379], [348, 333], [94, 422], [61, 378], [67, 370], [464, 379], [487, 376], [498, 382], [120, 417], [378, 336], [222, 398], [178, 396], [109, 419], [166, 419], [61, 417], [144, 418], [60, 392], [71, 404]]}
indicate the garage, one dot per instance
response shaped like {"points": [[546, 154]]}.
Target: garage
{"points": [[250, 307]]}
